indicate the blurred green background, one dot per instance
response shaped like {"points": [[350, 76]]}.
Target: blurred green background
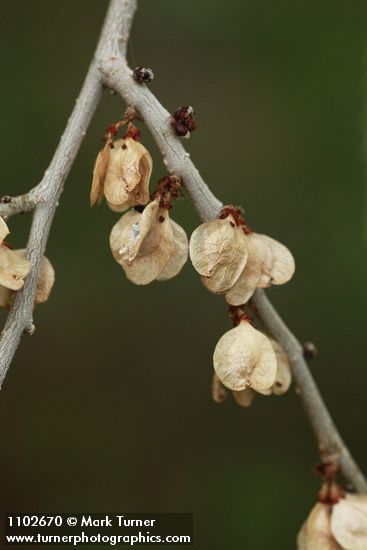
{"points": [[108, 407]]}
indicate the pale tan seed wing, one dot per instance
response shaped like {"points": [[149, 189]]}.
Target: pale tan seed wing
{"points": [[128, 234], [212, 243], [317, 530], [265, 369], [4, 230], [244, 398], [265, 392], [12, 269], [5, 297], [349, 522], [233, 359], [153, 254], [244, 358], [119, 207], [179, 255], [218, 251], [278, 262], [46, 277], [99, 174], [246, 284], [219, 392], [124, 235], [128, 174], [138, 162], [116, 188], [231, 263], [143, 243], [283, 378], [149, 222], [46, 280], [141, 194], [302, 538]]}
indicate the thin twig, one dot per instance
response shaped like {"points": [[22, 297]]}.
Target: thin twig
{"points": [[17, 205], [46, 194], [328, 437], [118, 76]]}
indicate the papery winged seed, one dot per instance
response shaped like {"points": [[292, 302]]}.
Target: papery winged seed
{"points": [[147, 225], [245, 358], [278, 264], [128, 173], [153, 256], [46, 277], [119, 181], [219, 392], [12, 269], [46, 280], [246, 284], [284, 375], [302, 537], [218, 252], [118, 207], [213, 243], [129, 232], [316, 532], [4, 230], [349, 522], [122, 238], [265, 392], [99, 174], [5, 297], [179, 254], [143, 253], [142, 194], [244, 398]]}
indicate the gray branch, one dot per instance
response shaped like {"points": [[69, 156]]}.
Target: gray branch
{"points": [[17, 205], [109, 67], [328, 437], [45, 196], [117, 76]]}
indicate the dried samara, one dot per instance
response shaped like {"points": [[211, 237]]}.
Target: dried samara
{"points": [[149, 245], [245, 359], [121, 174], [339, 526], [282, 382], [45, 282], [234, 261], [14, 267]]}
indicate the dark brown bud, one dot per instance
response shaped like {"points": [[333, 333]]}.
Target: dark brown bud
{"points": [[180, 129], [30, 329], [183, 119], [143, 75], [190, 124], [5, 199], [309, 350], [183, 113]]}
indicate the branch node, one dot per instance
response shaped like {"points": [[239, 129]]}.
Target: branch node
{"points": [[30, 329]]}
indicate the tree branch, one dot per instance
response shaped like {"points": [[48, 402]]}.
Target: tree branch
{"points": [[118, 76], [327, 435], [17, 205], [109, 67], [45, 196]]}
